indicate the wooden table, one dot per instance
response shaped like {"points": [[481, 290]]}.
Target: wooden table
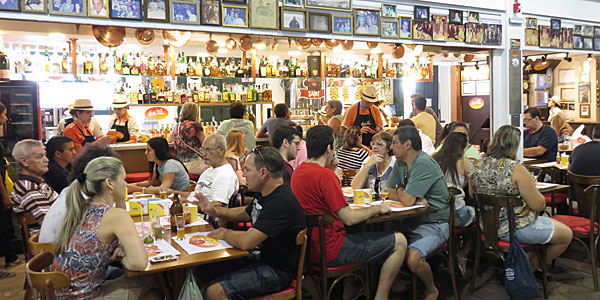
{"points": [[551, 190], [178, 267], [398, 215]]}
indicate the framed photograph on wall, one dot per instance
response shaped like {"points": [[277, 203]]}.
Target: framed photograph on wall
{"points": [[596, 30], [238, 2], [567, 38], [366, 22], [588, 30], [532, 37], [389, 28], [210, 12], [422, 30], [532, 23], [329, 4], [294, 19], [34, 6], [421, 13], [440, 27], [456, 33], [10, 5], [98, 8], [578, 30], [566, 76], [568, 94], [292, 3], [473, 33], [319, 22], [584, 92], [577, 42], [341, 24], [67, 7], [388, 10], [455, 17], [126, 9], [492, 34], [584, 111], [234, 16], [556, 39], [597, 43], [588, 43], [544, 36], [405, 27], [264, 14], [185, 12], [156, 10], [473, 17], [555, 24]]}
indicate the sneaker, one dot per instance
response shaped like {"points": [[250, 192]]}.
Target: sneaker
{"points": [[4, 275]]}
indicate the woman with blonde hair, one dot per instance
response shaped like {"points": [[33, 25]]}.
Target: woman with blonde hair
{"points": [[236, 145], [500, 174], [188, 136], [562, 128], [353, 152], [93, 233]]}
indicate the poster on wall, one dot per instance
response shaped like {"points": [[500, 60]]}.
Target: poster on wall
{"points": [[567, 38], [584, 92], [264, 14], [329, 4]]}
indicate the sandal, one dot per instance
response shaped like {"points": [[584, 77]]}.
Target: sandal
{"points": [[4, 275], [14, 263]]}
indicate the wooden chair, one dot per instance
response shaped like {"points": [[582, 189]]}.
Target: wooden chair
{"points": [[347, 177], [320, 269], [192, 186], [36, 247], [44, 283], [556, 176], [295, 289], [25, 220], [585, 190], [488, 210]]}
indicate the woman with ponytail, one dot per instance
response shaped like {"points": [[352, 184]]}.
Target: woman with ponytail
{"points": [[91, 232]]}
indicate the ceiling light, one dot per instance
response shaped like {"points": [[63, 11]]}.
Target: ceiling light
{"points": [[476, 65], [260, 45], [567, 58], [294, 53], [544, 57], [589, 57], [57, 36], [461, 67]]}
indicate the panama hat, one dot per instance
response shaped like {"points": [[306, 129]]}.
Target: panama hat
{"points": [[369, 93], [556, 99], [82, 104], [120, 102]]}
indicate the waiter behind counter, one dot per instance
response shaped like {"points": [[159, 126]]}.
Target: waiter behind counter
{"points": [[127, 127], [364, 115]]}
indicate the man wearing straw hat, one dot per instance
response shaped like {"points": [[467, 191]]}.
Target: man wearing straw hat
{"points": [[365, 115], [127, 127], [79, 130]]}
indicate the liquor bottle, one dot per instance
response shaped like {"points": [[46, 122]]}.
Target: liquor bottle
{"points": [[146, 96], [160, 67], [161, 97], [299, 71], [190, 67], [169, 95], [89, 64], [175, 209], [262, 68], [205, 68], [151, 65], [152, 94], [223, 66], [206, 93], [225, 93], [103, 65], [275, 68], [117, 63], [125, 64], [183, 94], [140, 95], [132, 96], [134, 68], [195, 96], [47, 63], [143, 66], [65, 63], [268, 68], [214, 67]]}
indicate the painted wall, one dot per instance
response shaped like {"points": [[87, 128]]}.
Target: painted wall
{"points": [[571, 9]]}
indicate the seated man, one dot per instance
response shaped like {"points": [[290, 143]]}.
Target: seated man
{"points": [[417, 179], [282, 118], [60, 151], [287, 141], [31, 192], [318, 190], [276, 217], [539, 141], [584, 159], [219, 182]]}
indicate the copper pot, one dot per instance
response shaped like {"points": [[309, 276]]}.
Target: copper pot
{"points": [[469, 57], [347, 45], [144, 35], [211, 46], [109, 36], [372, 45], [330, 44], [177, 38], [398, 52], [317, 42], [246, 43]]}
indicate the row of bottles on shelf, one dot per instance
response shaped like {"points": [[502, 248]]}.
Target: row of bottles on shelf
{"points": [[196, 92], [209, 127], [370, 69]]}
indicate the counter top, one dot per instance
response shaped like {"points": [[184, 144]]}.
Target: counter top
{"points": [[132, 146]]}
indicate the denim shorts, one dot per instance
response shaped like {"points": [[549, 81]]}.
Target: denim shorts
{"points": [[540, 231], [365, 247], [424, 238], [464, 216], [252, 281]]}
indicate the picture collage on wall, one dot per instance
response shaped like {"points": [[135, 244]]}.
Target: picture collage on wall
{"points": [[582, 37]]}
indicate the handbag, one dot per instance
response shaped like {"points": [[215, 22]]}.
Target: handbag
{"points": [[190, 290], [520, 282]]}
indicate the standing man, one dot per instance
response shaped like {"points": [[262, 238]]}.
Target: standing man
{"points": [[282, 118], [276, 217], [423, 120], [127, 127], [79, 131], [429, 110], [417, 179], [61, 152], [236, 121], [287, 141], [364, 115], [539, 141]]}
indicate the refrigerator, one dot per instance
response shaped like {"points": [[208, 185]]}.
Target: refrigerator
{"points": [[21, 99]]}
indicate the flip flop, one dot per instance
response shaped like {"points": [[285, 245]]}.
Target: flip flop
{"points": [[4, 275]]}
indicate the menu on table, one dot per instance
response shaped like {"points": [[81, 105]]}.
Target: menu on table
{"points": [[543, 185], [199, 242], [394, 205]]}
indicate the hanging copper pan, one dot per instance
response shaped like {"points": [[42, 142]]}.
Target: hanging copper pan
{"points": [[211, 46], [330, 44], [144, 35], [398, 52], [347, 45], [372, 45], [109, 36], [177, 38], [246, 43], [317, 42], [469, 57], [302, 42]]}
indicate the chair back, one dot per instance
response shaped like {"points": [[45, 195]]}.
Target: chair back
{"points": [[453, 192], [347, 177], [36, 247], [318, 222], [301, 240], [44, 283], [488, 211], [585, 190], [26, 219]]}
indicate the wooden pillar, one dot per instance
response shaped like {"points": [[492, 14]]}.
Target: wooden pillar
{"points": [[173, 61], [380, 66], [166, 54], [243, 59], [73, 48], [253, 66]]}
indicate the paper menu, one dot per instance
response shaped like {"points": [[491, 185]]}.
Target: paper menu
{"points": [[199, 242], [160, 248]]}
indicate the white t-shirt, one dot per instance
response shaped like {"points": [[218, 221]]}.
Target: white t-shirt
{"points": [[50, 230], [217, 184], [426, 143]]}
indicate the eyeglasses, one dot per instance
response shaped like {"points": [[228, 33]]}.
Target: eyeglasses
{"points": [[258, 152], [525, 120]]}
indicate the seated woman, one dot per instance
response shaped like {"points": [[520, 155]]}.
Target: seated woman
{"points": [[91, 233], [562, 128], [353, 153], [377, 169], [166, 171], [188, 136], [470, 152], [236, 145], [500, 174]]}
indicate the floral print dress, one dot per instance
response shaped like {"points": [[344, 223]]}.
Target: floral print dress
{"points": [[186, 134]]}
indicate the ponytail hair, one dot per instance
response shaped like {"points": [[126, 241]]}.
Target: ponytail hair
{"points": [[90, 183]]}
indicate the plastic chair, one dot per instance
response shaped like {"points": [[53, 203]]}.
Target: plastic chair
{"points": [[44, 283], [322, 271], [25, 220], [488, 210], [295, 289], [584, 189]]}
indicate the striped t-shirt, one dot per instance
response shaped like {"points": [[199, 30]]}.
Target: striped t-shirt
{"points": [[352, 159], [32, 195]]}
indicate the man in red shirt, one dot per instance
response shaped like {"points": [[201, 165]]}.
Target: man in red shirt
{"points": [[318, 191]]}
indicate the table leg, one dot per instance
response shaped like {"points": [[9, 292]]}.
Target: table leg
{"points": [[164, 285]]}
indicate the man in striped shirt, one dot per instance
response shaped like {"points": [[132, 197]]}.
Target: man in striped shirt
{"points": [[31, 192]]}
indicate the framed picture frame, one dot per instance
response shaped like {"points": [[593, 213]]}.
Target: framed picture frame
{"points": [[421, 13], [366, 22], [566, 76], [184, 12], [567, 94], [234, 16], [588, 30], [68, 7], [34, 6], [588, 43], [341, 24], [473, 33], [440, 27], [345, 5], [156, 10], [294, 19], [389, 28], [126, 9], [455, 17], [10, 5], [405, 31], [492, 34], [293, 3], [422, 30], [532, 23], [237, 2], [468, 88], [577, 29], [473, 17], [456, 33], [319, 22], [388, 10], [597, 43], [556, 39], [567, 38], [584, 92], [584, 111], [264, 14], [555, 24], [532, 37], [210, 12], [483, 87], [544, 36], [577, 42]]}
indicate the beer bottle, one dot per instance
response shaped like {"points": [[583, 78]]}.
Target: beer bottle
{"points": [[176, 208]]}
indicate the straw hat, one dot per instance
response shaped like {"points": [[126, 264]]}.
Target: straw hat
{"points": [[555, 99], [82, 104], [369, 93], [68, 110], [120, 102]]}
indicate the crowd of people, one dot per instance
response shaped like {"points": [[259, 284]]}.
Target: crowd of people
{"points": [[75, 188]]}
